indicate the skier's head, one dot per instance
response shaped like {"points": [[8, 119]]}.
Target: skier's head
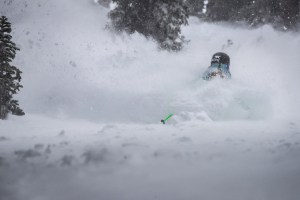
{"points": [[220, 58]]}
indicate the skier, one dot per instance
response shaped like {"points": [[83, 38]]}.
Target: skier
{"points": [[219, 67]]}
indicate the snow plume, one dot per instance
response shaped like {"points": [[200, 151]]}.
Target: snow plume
{"points": [[94, 102]]}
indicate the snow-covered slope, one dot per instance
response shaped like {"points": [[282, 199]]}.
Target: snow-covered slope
{"points": [[74, 67], [94, 101]]}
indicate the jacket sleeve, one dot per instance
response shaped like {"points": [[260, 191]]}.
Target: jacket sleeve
{"points": [[227, 74], [207, 74]]}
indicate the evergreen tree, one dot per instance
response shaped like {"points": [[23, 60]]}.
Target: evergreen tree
{"points": [[220, 10], [281, 14], [10, 76], [195, 7], [159, 19], [257, 12], [289, 13]]}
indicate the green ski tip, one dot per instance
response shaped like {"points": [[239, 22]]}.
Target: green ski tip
{"points": [[166, 119]]}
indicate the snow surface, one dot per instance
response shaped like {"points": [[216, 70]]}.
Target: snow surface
{"points": [[94, 102]]}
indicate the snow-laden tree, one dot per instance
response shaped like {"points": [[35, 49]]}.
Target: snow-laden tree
{"points": [[10, 76], [289, 13], [195, 7], [158, 19], [256, 13], [220, 10], [281, 14]]}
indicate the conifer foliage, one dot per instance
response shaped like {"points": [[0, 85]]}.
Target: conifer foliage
{"points": [[281, 14], [10, 76], [195, 7], [158, 19]]}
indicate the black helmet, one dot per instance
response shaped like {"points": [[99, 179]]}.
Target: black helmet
{"points": [[221, 58]]}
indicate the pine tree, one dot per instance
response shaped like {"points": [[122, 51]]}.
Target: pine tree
{"points": [[256, 13], [220, 10], [10, 76], [159, 19], [281, 14], [289, 13], [195, 7]]}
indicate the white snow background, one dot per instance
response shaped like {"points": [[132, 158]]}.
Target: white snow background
{"points": [[94, 101]]}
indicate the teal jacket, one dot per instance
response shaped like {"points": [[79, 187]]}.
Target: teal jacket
{"points": [[217, 68]]}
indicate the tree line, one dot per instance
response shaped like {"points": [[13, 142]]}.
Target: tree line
{"points": [[162, 19], [281, 14]]}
